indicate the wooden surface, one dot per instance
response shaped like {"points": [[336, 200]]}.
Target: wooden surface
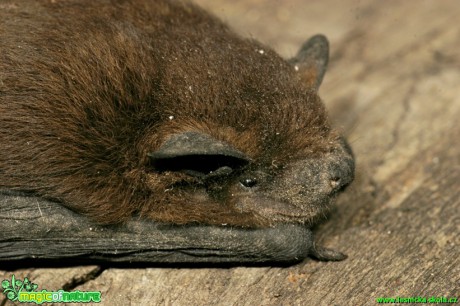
{"points": [[393, 86]]}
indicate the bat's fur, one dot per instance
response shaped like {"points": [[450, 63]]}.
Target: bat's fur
{"points": [[89, 88]]}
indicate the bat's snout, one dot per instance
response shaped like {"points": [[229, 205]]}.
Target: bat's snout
{"points": [[340, 175]]}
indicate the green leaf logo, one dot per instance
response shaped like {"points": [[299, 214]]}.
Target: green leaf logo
{"points": [[16, 286]]}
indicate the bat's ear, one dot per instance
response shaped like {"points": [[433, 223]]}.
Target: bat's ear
{"points": [[311, 60], [196, 153]]}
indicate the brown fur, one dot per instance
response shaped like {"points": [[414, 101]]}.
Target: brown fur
{"points": [[87, 90]]}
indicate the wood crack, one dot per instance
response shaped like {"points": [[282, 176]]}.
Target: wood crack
{"points": [[83, 279]]}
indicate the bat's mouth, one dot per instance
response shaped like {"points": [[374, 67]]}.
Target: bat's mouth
{"points": [[278, 210]]}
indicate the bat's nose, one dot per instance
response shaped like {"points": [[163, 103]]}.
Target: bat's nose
{"points": [[341, 174], [341, 170]]}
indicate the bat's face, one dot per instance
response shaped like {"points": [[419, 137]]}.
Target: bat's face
{"points": [[301, 191], [274, 159], [280, 190]]}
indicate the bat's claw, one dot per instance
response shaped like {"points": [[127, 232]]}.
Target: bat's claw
{"points": [[325, 254]]}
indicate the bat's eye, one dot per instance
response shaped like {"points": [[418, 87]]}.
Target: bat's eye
{"points": [[248, 182]]}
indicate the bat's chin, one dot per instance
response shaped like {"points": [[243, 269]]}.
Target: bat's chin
{"points": [[278, 210]]}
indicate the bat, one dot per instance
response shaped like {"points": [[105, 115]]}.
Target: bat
{"points": [[157, 111]]}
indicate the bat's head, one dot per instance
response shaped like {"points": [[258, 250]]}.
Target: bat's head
{"points": [[257, 144]]}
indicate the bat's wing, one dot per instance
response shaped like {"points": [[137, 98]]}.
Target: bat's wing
{"points": [[32, 228]]}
